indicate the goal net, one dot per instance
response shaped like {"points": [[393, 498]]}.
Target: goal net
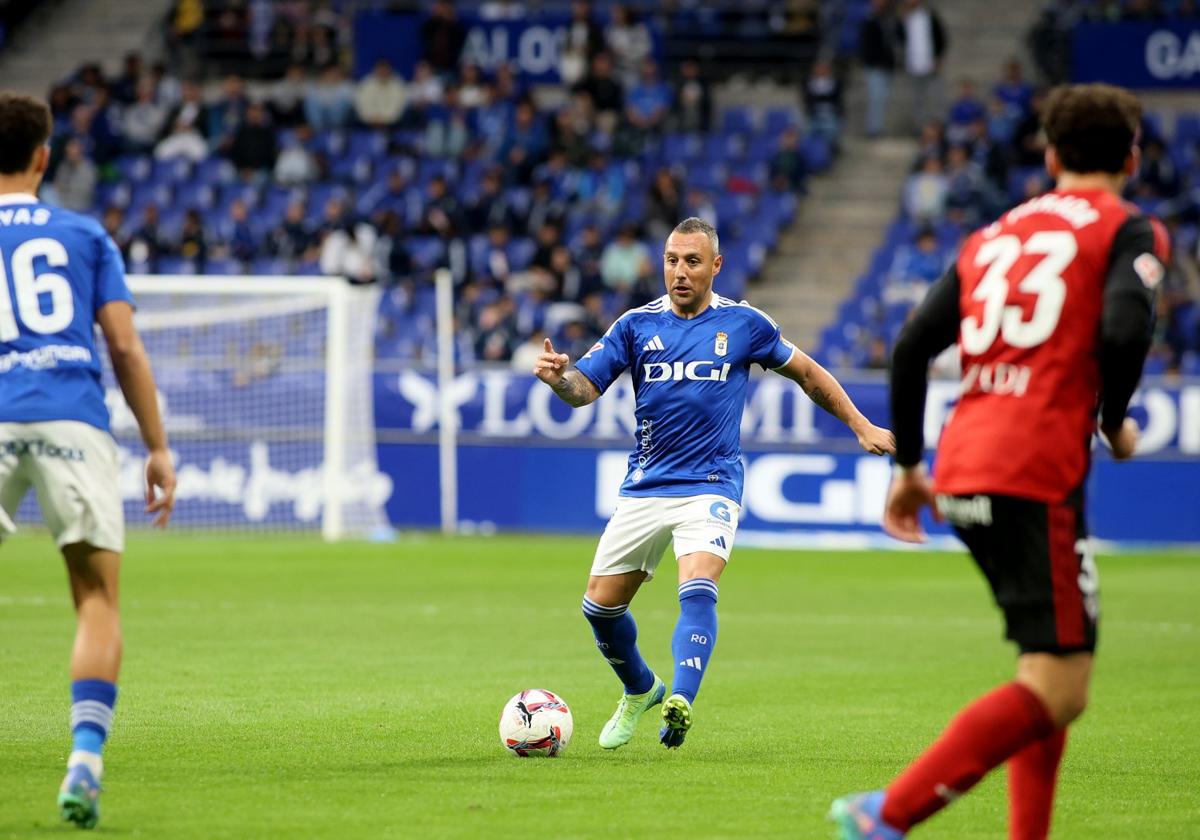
{"points": [[266, 389]]}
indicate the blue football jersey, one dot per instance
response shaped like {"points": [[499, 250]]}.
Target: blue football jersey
{"points": [[57, 268], [689, 378]]}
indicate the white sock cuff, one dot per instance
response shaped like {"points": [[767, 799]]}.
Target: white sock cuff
{"points": [[92, 761]]}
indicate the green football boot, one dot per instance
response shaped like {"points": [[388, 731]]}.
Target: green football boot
{"points": [[78, 798], [677, 720], [621, 726]]}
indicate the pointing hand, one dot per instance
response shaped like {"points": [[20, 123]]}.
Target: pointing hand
{"points": [[550, 365]]}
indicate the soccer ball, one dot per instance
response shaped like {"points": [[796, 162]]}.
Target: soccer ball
{"points": [[535, 722]]}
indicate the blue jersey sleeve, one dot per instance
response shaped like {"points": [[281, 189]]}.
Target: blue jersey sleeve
{"points": [[609, 356], [110, 274], [767, 346]]}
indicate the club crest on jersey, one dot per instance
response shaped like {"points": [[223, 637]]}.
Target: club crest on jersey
{"points": [[1149, 270], [721, 346]]}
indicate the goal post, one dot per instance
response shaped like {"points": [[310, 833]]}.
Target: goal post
{"points": [[447, 410], [267, 391]]}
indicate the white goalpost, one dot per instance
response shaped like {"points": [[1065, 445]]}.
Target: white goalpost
{"points": [[266, 386], [447, 411]]}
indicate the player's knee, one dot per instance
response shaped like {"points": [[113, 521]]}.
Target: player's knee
{"points": [[1065, 700], [597, 594], [1070, 704], [93, 573], [613, 590], [94, 592], [700, 564]]}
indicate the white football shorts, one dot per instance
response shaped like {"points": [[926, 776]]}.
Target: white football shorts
{"points": [[641, 527], [73, 468]]}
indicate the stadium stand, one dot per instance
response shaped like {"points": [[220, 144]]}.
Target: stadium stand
{"points": [[986, 156], [385, 179], [12, 14], [1050, 38]]}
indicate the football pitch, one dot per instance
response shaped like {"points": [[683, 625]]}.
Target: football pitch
{"points": [[283, 687]]}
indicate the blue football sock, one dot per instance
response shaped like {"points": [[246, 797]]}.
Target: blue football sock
{"points": [[92, 704], [695, 635], [616, 637]]}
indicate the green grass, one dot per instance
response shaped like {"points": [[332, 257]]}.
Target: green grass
{"points": [[282, 687]]}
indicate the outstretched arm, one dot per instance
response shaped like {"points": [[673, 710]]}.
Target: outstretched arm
{"points": [[829, 394], [572, 387]]}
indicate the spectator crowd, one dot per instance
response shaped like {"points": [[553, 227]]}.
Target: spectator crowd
{"points": [[985, 156], [529, 201]]}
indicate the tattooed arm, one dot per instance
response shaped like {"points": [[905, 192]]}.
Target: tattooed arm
{"points": [[572, 387], [828, 393]]}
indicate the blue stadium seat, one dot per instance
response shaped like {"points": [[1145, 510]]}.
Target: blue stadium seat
{"points": [[174, 171], [520, 253], [134, 168], [269, 266], [737, 120], [176, 265], [817, 153], [215, 170], [426, 252], [754, 172], [369, 143], [199, 195], [1187, 128], [223, 266], [151, 193], [732, 283], [778, 119], [274, 200], [781, 205], [678, 145], [319, 195], [721, 148], [116, 194], [353, 169]]}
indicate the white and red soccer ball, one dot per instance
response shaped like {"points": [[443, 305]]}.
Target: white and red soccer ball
{"points": [[536, 722]]}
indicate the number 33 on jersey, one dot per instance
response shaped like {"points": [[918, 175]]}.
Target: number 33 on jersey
{"points": [[1032, 290]]}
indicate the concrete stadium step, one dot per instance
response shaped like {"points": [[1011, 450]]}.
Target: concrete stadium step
{"points": [[59, 38], [842, 220], [840, 223]]}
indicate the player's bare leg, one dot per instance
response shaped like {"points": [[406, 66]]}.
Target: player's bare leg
{"points": [[1022, 723], [1062, 684], [93, 574], [614, 590], [606, 607], [700, 564], [693, 642], [1060, 681], [95, 662]]}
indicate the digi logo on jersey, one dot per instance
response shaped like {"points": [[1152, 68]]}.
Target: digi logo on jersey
{"points": [[679, 371]]}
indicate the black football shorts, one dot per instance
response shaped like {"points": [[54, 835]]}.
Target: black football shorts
{"points": [[1035, 556]]}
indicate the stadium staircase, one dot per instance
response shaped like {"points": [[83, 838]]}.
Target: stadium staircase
{"points": [[59, 35], [848, 210], [837, 226]]}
